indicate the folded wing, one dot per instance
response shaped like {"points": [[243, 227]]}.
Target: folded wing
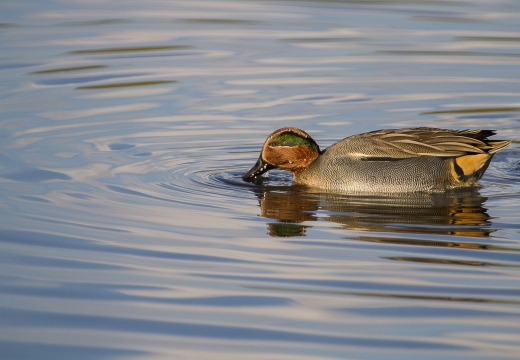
{"points": [[386, 145]]}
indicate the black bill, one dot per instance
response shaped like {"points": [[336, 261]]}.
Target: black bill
{"points": [[258, 169]]}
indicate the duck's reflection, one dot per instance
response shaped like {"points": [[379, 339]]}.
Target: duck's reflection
{"points": [[455, 213]]}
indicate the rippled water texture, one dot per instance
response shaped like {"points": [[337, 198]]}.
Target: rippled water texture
{"points": [[126, 230]]}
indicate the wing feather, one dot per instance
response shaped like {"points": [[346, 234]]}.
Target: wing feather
{"points": [[395, 144]]}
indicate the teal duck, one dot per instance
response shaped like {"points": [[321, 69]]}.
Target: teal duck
{"points": [[383, 161]]}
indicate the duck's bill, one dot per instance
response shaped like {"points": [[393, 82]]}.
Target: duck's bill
{"points": [[258, 169]]}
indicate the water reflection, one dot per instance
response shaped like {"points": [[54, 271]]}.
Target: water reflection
{"points": [[458, 213]]}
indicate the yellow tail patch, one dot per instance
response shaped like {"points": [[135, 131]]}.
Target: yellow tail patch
{"points": [[470, 164]]}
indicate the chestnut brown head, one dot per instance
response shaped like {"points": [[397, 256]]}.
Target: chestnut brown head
{"points": [[289, 149]]}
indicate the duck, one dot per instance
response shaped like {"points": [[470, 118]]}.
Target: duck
{"points": [[420, 159]]}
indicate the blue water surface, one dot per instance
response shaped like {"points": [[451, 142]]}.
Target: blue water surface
{"points": [[127, 232]]}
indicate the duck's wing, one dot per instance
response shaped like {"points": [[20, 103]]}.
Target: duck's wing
{"points": [[413, 142]]}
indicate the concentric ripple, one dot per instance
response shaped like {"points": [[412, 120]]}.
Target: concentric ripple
{"points": [[206, 181]]}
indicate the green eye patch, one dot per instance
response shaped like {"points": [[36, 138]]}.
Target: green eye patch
{"points": [[291, 139]]}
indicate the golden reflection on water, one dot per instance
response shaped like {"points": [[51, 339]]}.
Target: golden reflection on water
{"points": [[307, 290], [449, 261], [69, 69], [126, 84], [472, 111], [456, 213], [130, 49]]}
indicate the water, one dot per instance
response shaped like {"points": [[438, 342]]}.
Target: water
{"points": [[127, 232]]}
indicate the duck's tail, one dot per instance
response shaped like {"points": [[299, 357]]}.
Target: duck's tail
{"points": [[497, 145], [470, 168]]}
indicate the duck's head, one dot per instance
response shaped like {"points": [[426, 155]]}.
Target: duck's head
{"points": [[289, 149]]}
